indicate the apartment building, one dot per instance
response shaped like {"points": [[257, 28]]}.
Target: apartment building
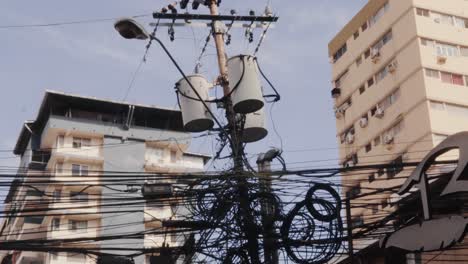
{"points": [[72, 146], [400, 86]]}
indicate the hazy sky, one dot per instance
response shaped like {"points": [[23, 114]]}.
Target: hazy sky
{"points": [[92, 60]]}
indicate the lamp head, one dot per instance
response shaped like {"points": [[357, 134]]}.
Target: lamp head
{"points": [[130, 29]]}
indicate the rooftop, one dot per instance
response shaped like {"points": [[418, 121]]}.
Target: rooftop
{"points": [[358, 20], [100, 110]]}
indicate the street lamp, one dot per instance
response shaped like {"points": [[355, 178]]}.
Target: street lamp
{"points": [[130, 29]]}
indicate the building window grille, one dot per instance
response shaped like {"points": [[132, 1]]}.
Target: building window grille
{"points": [[75, 225], [81, 142], [55, 224], [80, 170]]}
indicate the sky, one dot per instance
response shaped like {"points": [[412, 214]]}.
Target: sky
{"points": [[93, 60]]}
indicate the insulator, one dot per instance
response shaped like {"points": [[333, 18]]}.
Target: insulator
{"points": [[183, 4]]}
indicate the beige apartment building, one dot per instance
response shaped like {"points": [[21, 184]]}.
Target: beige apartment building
{"points": [[73, 145], [400, 83]]}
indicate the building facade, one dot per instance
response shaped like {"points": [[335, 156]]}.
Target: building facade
{"points": [[66, 186], [400, 83]]}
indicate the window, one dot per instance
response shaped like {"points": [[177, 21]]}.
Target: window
{"points": [[57, 195], [79, 170], [340, 52], [461, 22], [354, 191], [422, 12], [381, 42], [446, 19], [359, 61], [432, 73], [447, 50], [340, 79], [437, 106], [81, 142], [390, 100], [79, 197], [371, 178], [362, 89], [356, 34], [75, 225], [364, 26], [59, 168], [370, 82], [464, 51], [452, 78], [397, 167], [55, 224], [368, 147], [357, 221], [60, 141], [427, 42], [381, 74], [457, 79], [457, 110], [375, 18], [349, 131], [367, 53]]}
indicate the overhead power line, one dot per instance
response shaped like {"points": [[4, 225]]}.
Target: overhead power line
{"points": [[67, 23]]}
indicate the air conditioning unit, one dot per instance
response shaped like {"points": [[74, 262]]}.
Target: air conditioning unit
{"points": [[349, 139], [388, 139], [339, 113], [336, 92], [392, 67], [375, 55], [379, 112], [348, 164], [363, 122], [441, 59]]}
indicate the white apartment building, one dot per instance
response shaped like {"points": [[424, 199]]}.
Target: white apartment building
{"points": [[73, 144]]}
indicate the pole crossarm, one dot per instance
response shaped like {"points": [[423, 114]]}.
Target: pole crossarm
{"points": [[265, 19], [209, 24]]}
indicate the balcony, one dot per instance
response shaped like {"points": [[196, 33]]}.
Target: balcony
{"points": [[79, 209]]}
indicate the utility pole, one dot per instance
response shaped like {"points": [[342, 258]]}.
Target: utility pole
{"points": [[248, 224], [349, 227], [131, 30], [270, 243]]}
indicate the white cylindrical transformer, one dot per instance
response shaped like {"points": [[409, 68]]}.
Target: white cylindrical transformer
{"points": [[195, 116], [254, 127], [244, 84]]}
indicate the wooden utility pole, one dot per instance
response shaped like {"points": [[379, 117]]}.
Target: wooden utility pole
{"points": [[248, 225], [269, 240]]}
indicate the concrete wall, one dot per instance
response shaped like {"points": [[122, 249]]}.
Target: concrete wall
{"points": [[124, 158]]}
